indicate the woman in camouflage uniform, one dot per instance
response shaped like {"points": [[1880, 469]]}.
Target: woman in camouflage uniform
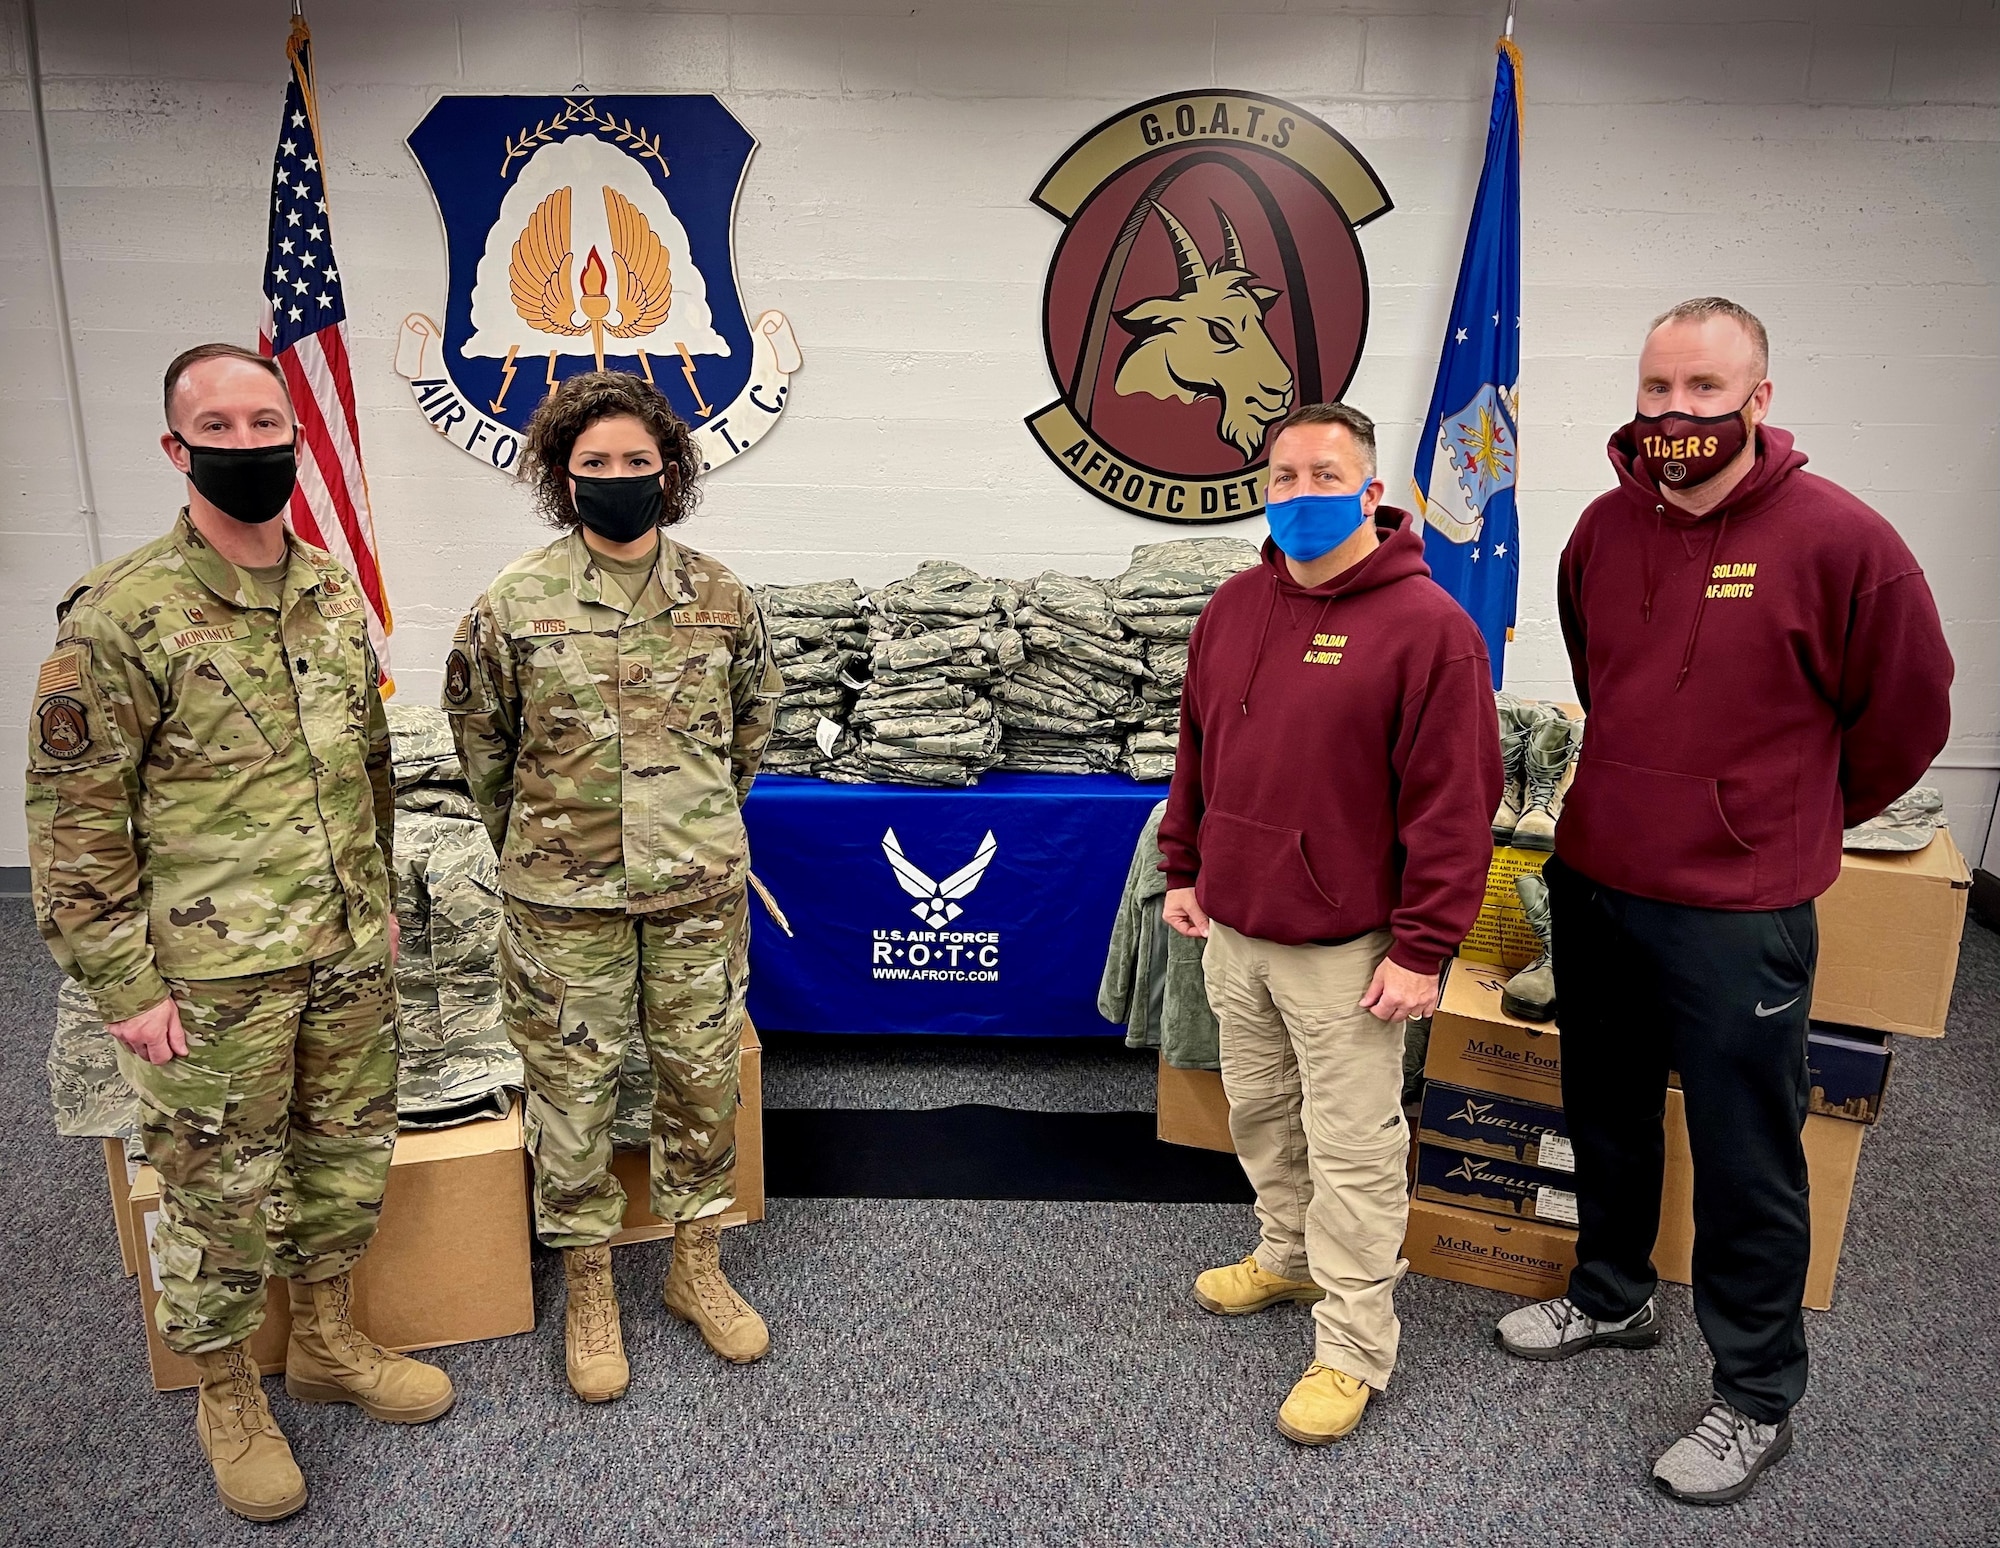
{"points": [[611, 695]]}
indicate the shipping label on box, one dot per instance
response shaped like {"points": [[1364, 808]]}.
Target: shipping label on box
{"points": [[1469, 1247], [1508, 1128], [1501, 936], [1477, 1046], [1449, 1176]]}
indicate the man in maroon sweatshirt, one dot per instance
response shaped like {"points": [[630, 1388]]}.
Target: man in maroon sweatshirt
{"points": [[1763, 665], [1328, 832]]}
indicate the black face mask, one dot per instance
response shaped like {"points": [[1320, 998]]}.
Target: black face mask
{"points": [[620, 510], [246, 483]]}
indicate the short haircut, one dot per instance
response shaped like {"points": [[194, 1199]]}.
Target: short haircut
{"points": [[1352, 420], [580, 402], [1701, 308], [188, 359]]}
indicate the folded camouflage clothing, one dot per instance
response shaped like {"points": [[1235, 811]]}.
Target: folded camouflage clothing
{"points": [[1066, 708], [819, 632], [1909, 824], [1159, 597]]}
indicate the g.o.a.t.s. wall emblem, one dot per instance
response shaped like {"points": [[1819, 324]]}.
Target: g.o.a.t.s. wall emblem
{"points": [[588, 233], [1209, 280]]}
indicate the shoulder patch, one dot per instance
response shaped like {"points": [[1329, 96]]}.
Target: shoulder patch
{"points": [[457, 678], [62, 670], [706, 617], [464, 635], [63, 727]]}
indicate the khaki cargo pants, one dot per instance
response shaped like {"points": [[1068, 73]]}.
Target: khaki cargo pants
{"points": [[271, 1135], [1315, 1087], [576, 984]]}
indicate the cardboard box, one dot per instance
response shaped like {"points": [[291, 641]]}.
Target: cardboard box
{"points": [[1888, 939], [120, 1172], [1477, 1046], [449, 1264], [1505, 1128], [1193, 1110], [1500, 936], [1523, 1257], [633, 1168], [1833, 1155], [1447, 1175]]}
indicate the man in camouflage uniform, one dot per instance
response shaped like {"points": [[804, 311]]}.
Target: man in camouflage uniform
{"points": [[208, 819], [611, 701]]}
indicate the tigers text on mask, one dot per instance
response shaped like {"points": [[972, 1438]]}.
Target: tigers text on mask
{"points": [[1681, 451]]}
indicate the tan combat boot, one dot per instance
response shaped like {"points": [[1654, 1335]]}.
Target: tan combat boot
{"points": [[697, 1292], [593, 1346], [254, 1470], [329, 1360]]}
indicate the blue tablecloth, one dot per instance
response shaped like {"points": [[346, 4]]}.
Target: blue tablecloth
{"points": [[983, 911]]}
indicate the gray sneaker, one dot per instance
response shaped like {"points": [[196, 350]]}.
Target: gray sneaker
{"points": [[1718, 1461], [1555, 1330]]}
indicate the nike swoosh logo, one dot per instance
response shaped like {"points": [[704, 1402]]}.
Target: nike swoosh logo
{"points": [[1773, 1010]]}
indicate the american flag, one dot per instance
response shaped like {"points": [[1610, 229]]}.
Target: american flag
{"points": [[304, 328]]}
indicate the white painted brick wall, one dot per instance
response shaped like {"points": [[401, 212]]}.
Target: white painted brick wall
{"points": [[1832, 164]]}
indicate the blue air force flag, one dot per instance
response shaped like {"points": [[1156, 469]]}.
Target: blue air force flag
{"points": [[1466, 460]]}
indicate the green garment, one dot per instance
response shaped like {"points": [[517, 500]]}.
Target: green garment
{"points": [[1153, 980], [208, 779], [625, 579]]}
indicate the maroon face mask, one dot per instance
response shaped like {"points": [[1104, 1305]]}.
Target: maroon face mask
{"points": [[1681, 451]]}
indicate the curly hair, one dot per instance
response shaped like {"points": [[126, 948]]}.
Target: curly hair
{"points": [[580, 402]]}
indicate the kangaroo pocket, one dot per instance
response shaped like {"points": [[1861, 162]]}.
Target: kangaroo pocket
{"points": [[1255, 878], [1659, 834]]}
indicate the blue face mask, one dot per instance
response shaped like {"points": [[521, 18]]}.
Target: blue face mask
{"points": [[1308, 527]]}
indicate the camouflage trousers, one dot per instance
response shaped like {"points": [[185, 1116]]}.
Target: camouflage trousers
{"points": [[577, 984], [271, 1136]]}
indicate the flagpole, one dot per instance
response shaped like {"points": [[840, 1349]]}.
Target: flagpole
{"points": [[1508, 33]]}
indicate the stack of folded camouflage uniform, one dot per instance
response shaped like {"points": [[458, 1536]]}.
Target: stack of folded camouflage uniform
{"points": [[1067, 708], [1158, 598], [938, 640], [820, 636], [455, 1062]]}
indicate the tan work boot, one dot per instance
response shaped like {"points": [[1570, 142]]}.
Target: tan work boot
{"points": [[1241, 1288], [329, 1360], [593, 1342], [697, 1292], [254, 1471], [1324, 1405]]}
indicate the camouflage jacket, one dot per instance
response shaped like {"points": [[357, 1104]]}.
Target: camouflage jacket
{"points": [[610, 754], [208, 781]]}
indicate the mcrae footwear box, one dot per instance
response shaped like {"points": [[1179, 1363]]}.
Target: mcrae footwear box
{"points": [[1523, 1257], [1447, 1175], [1888, 939], [1192, 1109], [1505, 1128], [633, 1168], [448, 1265], [1477, 1046]]}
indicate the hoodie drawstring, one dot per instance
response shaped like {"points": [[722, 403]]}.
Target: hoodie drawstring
{"points": [[1659, 530], [1707, 579], [1257, 658]]}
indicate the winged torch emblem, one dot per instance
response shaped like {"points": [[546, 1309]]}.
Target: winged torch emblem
{"points": [[538, 274], [936, 905]]}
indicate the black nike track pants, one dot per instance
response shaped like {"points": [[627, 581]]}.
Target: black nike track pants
{"points": [[1643, 988]]}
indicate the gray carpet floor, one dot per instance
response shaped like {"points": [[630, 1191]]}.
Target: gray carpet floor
{"points": [[1033, 1373]]}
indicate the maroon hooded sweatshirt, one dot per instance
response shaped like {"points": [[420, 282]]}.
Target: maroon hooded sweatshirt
{"points": [[1757, 678], [1339, 756]]}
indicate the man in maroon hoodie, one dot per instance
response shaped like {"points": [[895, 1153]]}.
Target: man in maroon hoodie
{"points": [[1763, 665], [1328, 832]]}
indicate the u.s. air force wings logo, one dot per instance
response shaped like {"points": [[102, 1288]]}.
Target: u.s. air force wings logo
{"points": [[589, 233], [937, 902], [1208, 280]]}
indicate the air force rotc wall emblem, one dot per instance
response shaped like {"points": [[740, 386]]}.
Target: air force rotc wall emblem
{"points": [[584, 233], [1208, 280]]}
